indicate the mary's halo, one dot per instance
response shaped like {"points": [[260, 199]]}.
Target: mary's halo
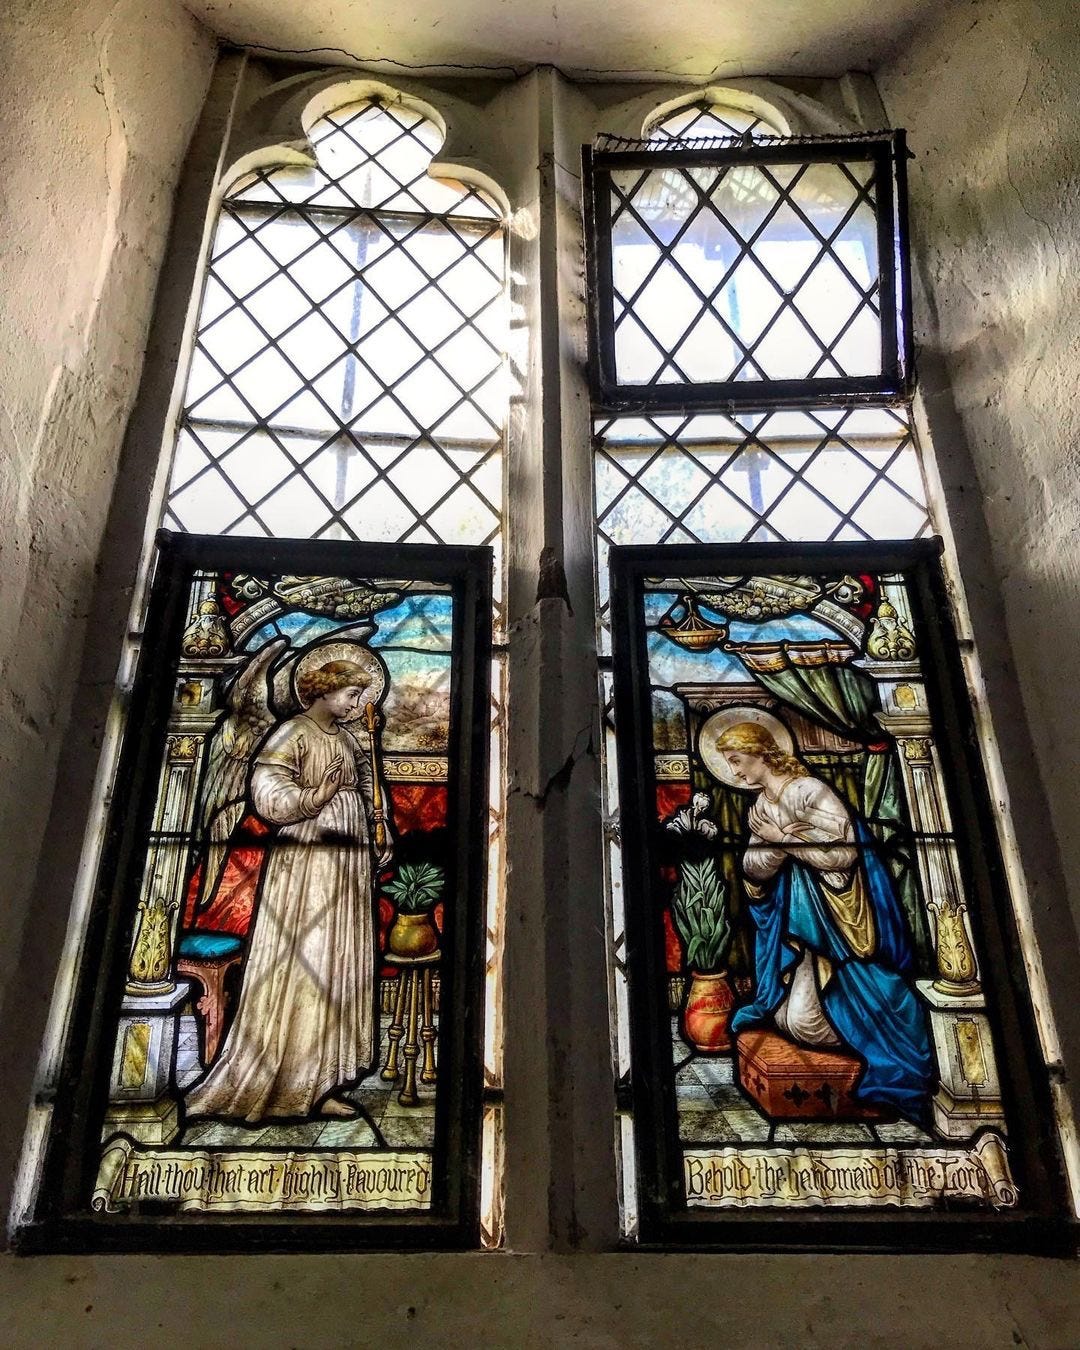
{"points": [[715, 726]]}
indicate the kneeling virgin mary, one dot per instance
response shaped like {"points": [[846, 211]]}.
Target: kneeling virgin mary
{"points": [[832, 949]]}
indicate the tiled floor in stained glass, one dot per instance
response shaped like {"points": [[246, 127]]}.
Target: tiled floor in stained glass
{"points": [[384, 1122], [713, 1109]]}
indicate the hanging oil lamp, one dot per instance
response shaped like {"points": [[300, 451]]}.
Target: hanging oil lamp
{"points": [[684, 624]]}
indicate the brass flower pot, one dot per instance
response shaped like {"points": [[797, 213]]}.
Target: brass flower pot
{"points": [[412, 935]]}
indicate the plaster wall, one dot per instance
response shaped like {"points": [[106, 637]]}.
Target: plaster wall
{"points": [[504, 1302], [100, 100], [988, 97]]}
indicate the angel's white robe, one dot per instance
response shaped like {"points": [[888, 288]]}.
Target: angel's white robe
{"points": [[305, 1019]]}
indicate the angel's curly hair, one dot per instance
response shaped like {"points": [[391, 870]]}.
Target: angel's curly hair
{"points": [[313, 684], [750, 738]]}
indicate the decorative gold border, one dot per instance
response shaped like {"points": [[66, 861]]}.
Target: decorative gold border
{"points": [[414, 769]]}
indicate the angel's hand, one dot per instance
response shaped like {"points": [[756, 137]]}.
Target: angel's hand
{"points": [[385, 858], [330, 781]]}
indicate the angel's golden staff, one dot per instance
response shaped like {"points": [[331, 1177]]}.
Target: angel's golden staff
{"points": [[371, 721]]}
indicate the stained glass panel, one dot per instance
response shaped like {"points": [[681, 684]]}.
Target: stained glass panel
{"points": [[301, 928], [820, 1010]]}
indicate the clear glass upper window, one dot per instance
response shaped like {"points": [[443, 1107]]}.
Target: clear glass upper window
{"points": [[710, 119], [349, 373]]}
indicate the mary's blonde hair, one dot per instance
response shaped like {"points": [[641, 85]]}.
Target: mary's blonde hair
{"points": [[325, 679], [751, 738]]}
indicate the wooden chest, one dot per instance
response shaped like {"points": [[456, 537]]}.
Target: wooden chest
{"points": [[790, 1082]]}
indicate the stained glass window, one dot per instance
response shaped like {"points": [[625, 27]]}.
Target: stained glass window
{"points": [[710, 478], [822, 1016], [347, 381], [279, 1022], [680, 460], [747, 271]]}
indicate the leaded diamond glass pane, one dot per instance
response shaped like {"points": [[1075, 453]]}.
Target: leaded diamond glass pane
{"points": [[744, 272], [349, 374], [787, 475], [709, 120]]}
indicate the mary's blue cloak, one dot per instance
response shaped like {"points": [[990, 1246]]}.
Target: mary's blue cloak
{"points": [[869, 1002]]}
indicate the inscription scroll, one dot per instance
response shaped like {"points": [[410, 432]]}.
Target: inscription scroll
{"points": [[263, 1180], [743, 1178]]}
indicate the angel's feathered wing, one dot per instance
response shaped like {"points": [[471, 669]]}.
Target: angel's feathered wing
{"points": [[249, 716]]}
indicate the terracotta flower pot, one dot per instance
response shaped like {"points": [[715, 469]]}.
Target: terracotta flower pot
{"points": [[412, 935], [706, 1021]]}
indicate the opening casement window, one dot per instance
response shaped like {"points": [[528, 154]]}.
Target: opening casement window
{"points": [[286, 1023], [809, 926]]}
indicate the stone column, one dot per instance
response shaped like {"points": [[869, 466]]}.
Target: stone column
{"points": [[968, 1095], [142, 1096]]}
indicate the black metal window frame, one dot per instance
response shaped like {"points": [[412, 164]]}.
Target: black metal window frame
{"points": [[886, 152], [1040, 1224], [63, 1218]]}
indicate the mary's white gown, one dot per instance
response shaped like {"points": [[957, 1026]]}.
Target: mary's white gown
{"points": [[305, 1019], [812, 817]]}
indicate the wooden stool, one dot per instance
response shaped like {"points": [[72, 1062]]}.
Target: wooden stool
{"points": [[793, 1082], [415, 1022]]}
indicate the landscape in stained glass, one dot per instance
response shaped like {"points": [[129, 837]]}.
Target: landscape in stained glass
{"points": [[278, 1042], [829, 1039]]}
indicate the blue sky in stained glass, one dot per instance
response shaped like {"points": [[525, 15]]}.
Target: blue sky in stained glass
{"points": [[299, 628], [418, 621], [670, 664], [423, 620]]}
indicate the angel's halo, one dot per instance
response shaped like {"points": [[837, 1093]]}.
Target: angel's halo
{"points": [[714, 727], [325, 652]]}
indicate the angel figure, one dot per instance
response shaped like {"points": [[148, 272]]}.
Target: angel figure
{"points": [[305, 1023]]}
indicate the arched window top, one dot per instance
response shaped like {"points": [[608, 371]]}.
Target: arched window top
{"points": [[711, 117], [370, 155]]}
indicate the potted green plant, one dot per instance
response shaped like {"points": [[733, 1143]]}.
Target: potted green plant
{"points": [[415, 891], [700, 910]]}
